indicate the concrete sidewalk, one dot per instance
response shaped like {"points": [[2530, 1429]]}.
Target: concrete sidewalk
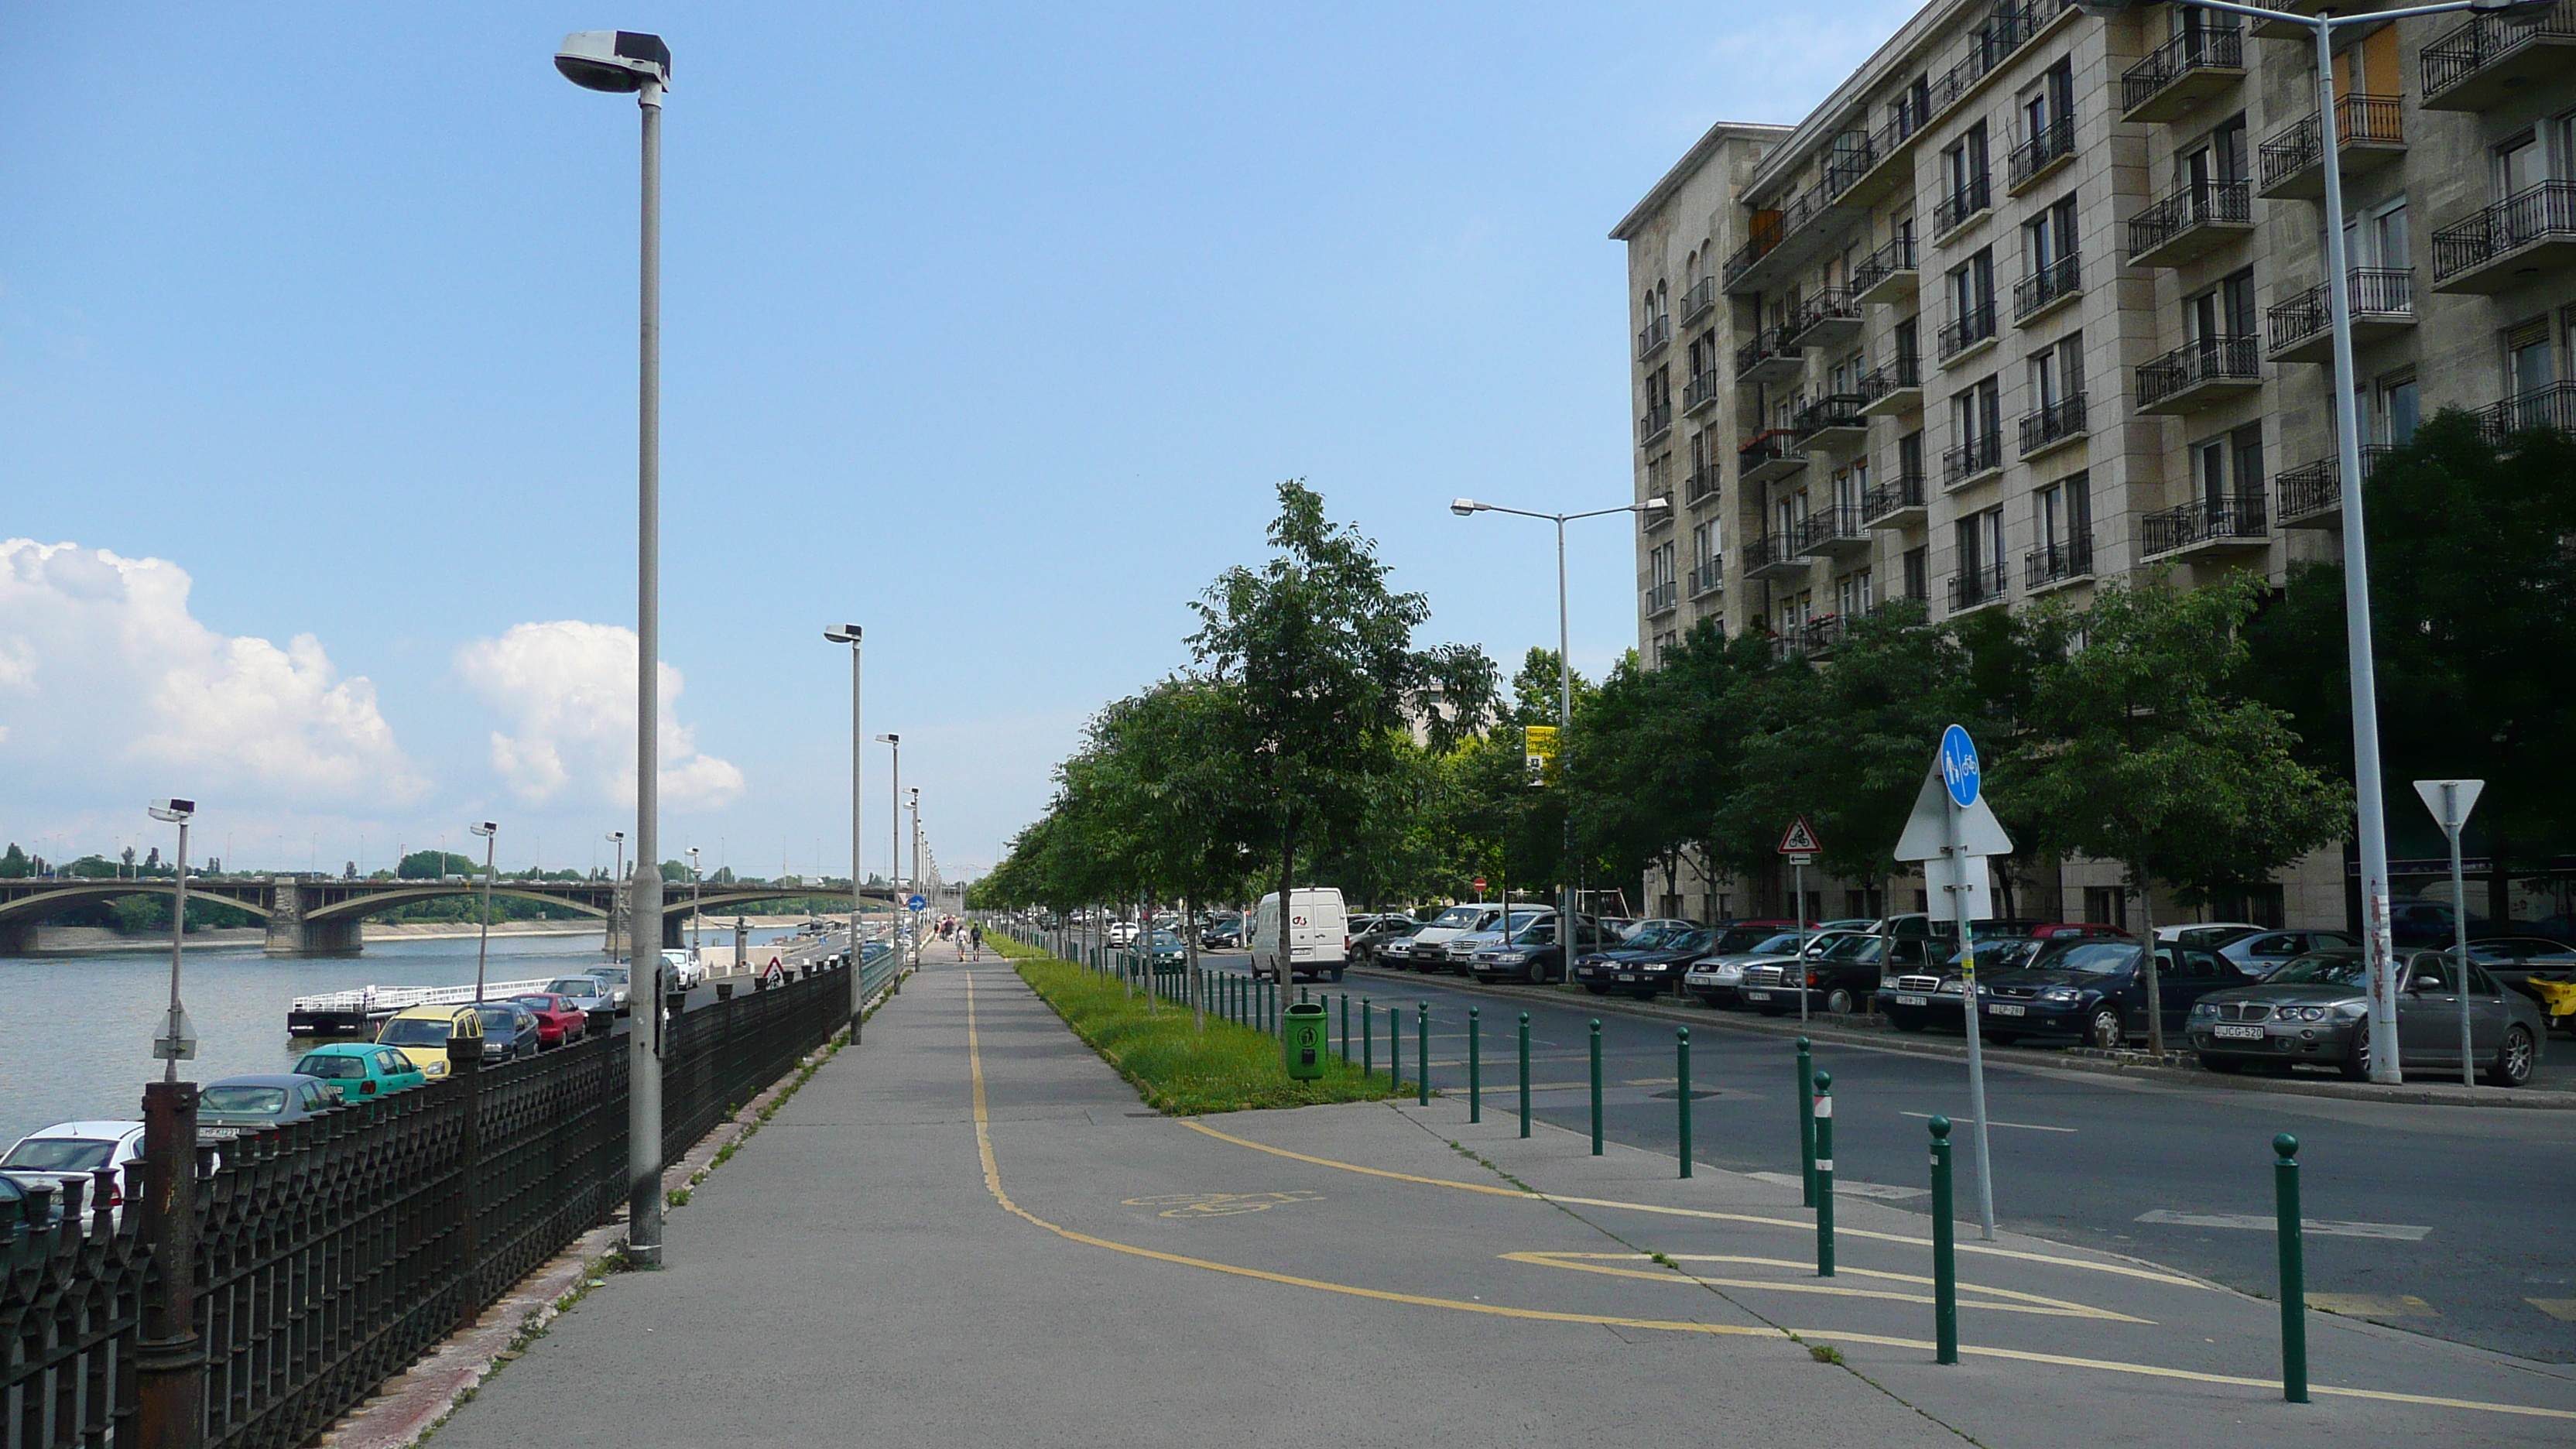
{"points": [[949, 1237]]}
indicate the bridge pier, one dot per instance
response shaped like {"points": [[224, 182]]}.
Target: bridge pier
{"points": [[18, 938], [290, 934]]}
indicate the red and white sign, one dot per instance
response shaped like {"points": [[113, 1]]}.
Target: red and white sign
{"points": [[1799, 840], [1480, 882]]}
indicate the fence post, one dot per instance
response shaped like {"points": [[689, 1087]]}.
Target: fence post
{"points": [[170, 1362], [1945, 1252], [2294, 1270], [1525, 1081], [1824, 1174], [1806, 1124], [1422, 1069], [1395, 1049], [1681, 1075], [1596, 1086], [465, 1067], [1346, 1028], [1475, 1066]]}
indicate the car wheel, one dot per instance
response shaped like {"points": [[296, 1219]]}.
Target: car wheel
{"points": [[2104, 1029], [2513, 1062], [1537, 973], [1838, 1002], [1767, 1009], [2356, 1063], [2225, 1066], [1908, 1020], [1596, 988]]}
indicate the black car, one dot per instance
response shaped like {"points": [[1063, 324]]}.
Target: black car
{"points": [[1222, 933], [1843, 974], [1365, 944], [510, 1031], [1535, 955], [2096, 992], [1651, 963]]}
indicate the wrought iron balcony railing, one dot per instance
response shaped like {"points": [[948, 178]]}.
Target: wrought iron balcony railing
{"points": [[2043, 149], [2053, 424], [2217, 47], [2207, 360], [1978, 455], [2057, 563], [2366, 120], [2544, 213], [1961, 333], [1984, 584], [2228, 518], [2202, 204], [1954, 210], [2051, 283]]}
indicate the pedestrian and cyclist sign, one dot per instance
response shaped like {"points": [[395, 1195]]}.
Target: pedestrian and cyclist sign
{"points": [[1959, 766]]}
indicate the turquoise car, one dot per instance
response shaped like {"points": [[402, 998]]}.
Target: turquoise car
{"points": [[359, 1070]]}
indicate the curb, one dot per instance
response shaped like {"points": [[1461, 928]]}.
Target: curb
{"points": [[2173, 1071]]}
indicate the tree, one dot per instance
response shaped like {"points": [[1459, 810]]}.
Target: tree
{"points": [[15, 864], [2139, 749]]}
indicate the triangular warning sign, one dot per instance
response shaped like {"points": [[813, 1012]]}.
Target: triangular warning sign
{"points": [[1800, 840]]}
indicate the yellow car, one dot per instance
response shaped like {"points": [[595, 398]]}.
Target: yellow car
{"points": [[420, 1033]]}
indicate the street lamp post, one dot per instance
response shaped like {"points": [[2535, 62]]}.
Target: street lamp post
{"points": [[1567, 936], [622, 62], [180, 1040], [2379, 944], [169, 1366], [695, 877], [849, 634], [894, 821], [483, 940], [913, 801], [616, 883]]}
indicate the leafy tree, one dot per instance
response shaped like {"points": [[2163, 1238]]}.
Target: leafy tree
{"points": [[16, 864], [436, 865]]}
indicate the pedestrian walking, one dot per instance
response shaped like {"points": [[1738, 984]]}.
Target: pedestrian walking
{"points": [[976, 933]]}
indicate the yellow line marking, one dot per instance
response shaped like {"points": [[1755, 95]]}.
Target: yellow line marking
{"points": [[2555, 1307], [993, 1184], [2024, 1302], [2122, 1269], [2373, 1305]]}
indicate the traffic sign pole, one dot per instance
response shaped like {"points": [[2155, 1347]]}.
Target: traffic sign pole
{"points": [[1799, 844], [1960, 772]]}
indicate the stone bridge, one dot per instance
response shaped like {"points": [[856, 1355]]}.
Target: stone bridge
{"points": [[319, 916]]}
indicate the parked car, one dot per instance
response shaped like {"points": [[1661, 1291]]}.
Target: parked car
{"points": [[683, 969], [1716, 977], [1660, 925], [589, 991], [236, 1106], [620, 983], [1121, 932], [510, 1032], [1366, 945], [1223, 932], [1534, 954], [560, 1019], [1166, 953], [1842, 972], [2260, 953], [49, 1155], [2317, 1009], [357, 1070], [1458, 951], [2096, 991], [1429, 944], [1317, 935], [2514, 960], [1643, 967], [421, 1033]]}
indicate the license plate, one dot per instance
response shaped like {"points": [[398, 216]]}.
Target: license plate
{"points": [[2001, 1010], [1757, 996], [2238, 1033], [218, 1134], [1627, 975], [1904, 1000]]}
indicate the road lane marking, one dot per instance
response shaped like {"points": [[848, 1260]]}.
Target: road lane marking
{"points": [[1971, 1121], [2023, 1302], [2555, 1307], [1219, 1204], [2372, 1305], [993, 1184], [1845, 1186], [2265, 1223]]}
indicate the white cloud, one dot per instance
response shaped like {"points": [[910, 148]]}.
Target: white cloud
{"points": [[568, 689], [105, 677]]}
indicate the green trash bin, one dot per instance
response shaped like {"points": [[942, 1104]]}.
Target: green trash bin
{"points": [[1301, 1041]]}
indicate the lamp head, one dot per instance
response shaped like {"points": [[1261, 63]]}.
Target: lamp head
{"points": [[1464, 506], [484, 828], [623, 61], [618, 835], [2514, 12], [842, 634], [173, 811], [2105, 9], [890, 739], [1651, 504]]}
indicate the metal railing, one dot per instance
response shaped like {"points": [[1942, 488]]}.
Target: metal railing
{"points": [[1654, 423], [1904, 372], [1984, 584], [2228, 517], [2374, 291], [1977, 455], [1707, 576], [2551, 407], [1833, 410], [1700, 391], [1654, 334], [1826, 304], [1771, 445], [2368, 119], [1701, 296], [2484, 41], [2207, 203], [2056, 563], [1906, 492], [1887, 261], [2545, 212], [1830, 525], [1765, 344], [1702, 483], [2054, 423], [1961, 333], [1769, 549], [1955, 208], [1661, 598], [2061, 278], [2313, 488], [2051, 144], [2209, 359], [2218, 47]]}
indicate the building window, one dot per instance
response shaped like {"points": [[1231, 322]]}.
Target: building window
{"points": [[1853, 595], [2236, 458], [2057, 373], [2226, 310], [2528, 364], [2062, 512], [1918, 573], [2106, 906], [2218, 160], [2400, 410]]}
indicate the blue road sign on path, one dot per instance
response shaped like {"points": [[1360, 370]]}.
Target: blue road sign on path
{"points": [[915, 903], [1959, 766]]}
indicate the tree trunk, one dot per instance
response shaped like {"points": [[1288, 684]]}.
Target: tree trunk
{"points": [[1287, 893], [1144, 942], [1190, 944], [2147, 934]]}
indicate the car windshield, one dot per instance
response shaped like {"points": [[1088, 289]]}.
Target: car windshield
{"points": [[1539, 933], [1460, 917], [2098, 958], [1693, 939], [1521, 919], [615, 976], [535, 1003], [415, 1031], [337, 1068], [1649, 938], [1786, 943], [573, 986], [1852, 948], [248, 1101], [501, 1019], [60, 1154], [2321, 971], [1166, 941]]}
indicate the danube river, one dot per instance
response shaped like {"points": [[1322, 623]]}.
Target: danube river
{"points": [[76, 1031]]}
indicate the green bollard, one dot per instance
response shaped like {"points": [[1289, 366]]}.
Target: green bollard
{"points": [[1346, 1028], [1475, 1066], [1368, 1039], [1596, 1086], [1422, 1018], [1824, 1174], [1681, 1076], [1806, 1125], [1395, 1049], [1525, 1081], [2294, 1270], [1945, 1252]]}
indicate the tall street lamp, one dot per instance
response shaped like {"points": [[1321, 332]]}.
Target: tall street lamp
{"points": [[482, 941], [622, 62], [616, 883], [1566, 935], [2379, 942], [177, 1042], [894, 819], [912, 801], [850, 634], [170, 1371], [697, 888]]}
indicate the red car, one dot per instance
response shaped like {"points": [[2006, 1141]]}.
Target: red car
{"points": [[558, 1019]]}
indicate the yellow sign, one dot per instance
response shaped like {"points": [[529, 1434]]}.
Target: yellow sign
{"points": [[1538, 753]]}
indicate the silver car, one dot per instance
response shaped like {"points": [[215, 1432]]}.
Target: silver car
{"points": [[590, 993], [2317, 1009], [1719, 980]]}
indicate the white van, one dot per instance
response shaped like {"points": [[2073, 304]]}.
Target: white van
{"points": [[1318, 935]]}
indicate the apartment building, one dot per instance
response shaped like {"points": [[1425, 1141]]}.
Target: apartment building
{"points": [[2034, 301]]}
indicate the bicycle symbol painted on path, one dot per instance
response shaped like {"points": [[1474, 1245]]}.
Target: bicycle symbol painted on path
{"points": [[1220, 1204]]}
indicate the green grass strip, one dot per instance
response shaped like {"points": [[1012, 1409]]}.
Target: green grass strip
{"points": [[1176, 1067]]}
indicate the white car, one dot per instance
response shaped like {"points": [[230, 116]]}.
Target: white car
{"points": [[53, 1155], [1121, 932], [683, 970]]}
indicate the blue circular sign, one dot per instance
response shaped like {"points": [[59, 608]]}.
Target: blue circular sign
{"points": [[1959, 766], [915, 903]]}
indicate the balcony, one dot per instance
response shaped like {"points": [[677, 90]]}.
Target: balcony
{"points": [[1654, 423], [1962, 335], [1773, 556], [1783, 238], [2510, 243], [1696, 302], [1962, 206], [1887, 275], [2191, 223], [2053, 283], [1650, 520], [2183, 72], [1833, 530], [2551, 407], [1699, 392], [2055, 565], [2053, 426], [1701, 484], [1661, 598], [1813, 639], [2489, 60], [1769, 455], [2383, 306], [1974, 459], [1768, 359], [2369, 133], [2038, 158], [1832, 421], [1707, 577], [2196, 374], [1893, 390], [1977, 587], [1652, 337], [1894, 505], [1828, 318], [2228, 523], [2312, 496]]}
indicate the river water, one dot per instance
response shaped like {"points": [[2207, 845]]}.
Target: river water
{"points": [[76, 1031]]}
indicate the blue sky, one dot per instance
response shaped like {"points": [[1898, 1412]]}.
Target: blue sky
{"points": [[988, 327]]}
